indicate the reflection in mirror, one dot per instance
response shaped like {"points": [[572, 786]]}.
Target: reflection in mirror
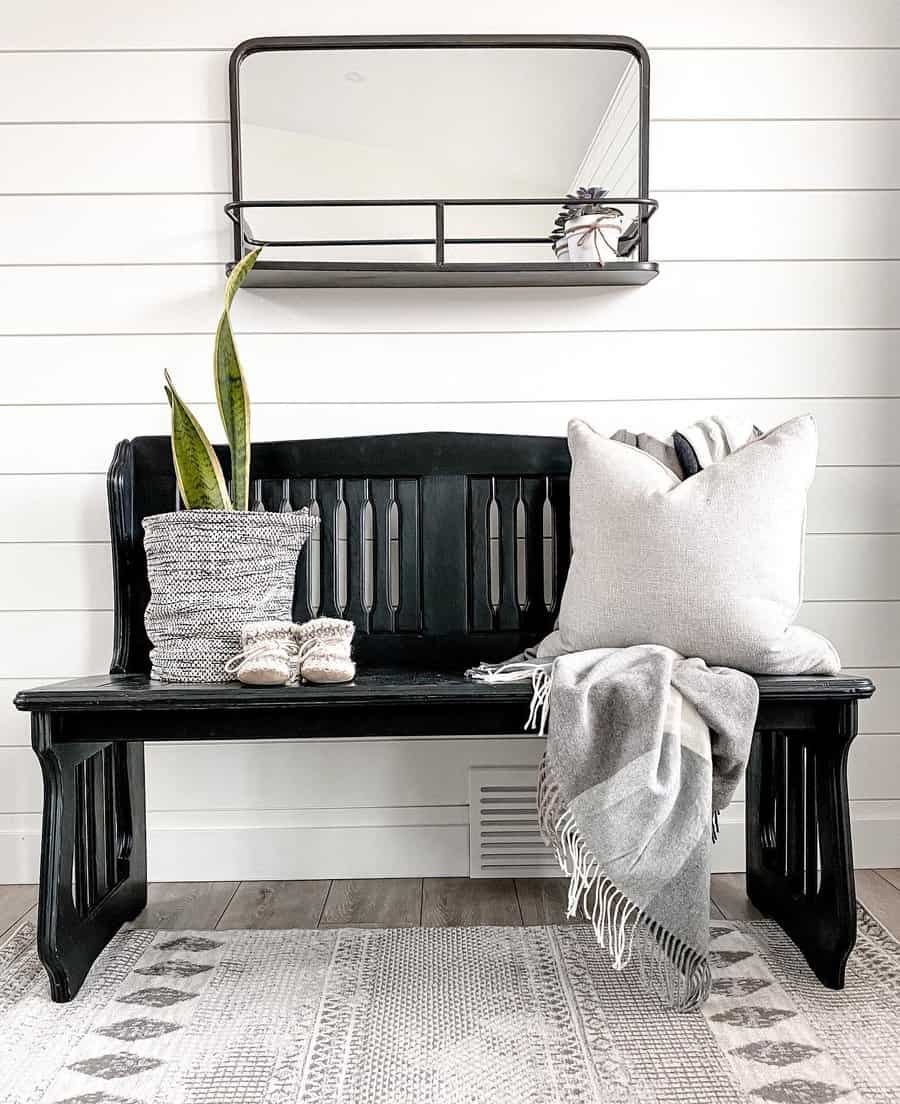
{"points": [[424, 123]]}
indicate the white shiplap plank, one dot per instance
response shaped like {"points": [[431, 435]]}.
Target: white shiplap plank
{"points": [[119, 157], [749, 225], [194, 157], [345, 773], [45, 24], [187, 298], [190, 229], [98, 86], [321, 774], [64, 576], [873, 772], [41, 438], [15, 727], [858, 567], [854, 500], [880, 715], [801, 154], [335, 817], [191, 86], [373, 367], [259, 852], [91, 229], [48, 645], [774, 84], [20, 781], [866, 634], [55, 576], [53, 508]]}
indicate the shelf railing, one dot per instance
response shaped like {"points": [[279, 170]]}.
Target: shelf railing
{"points": [[244, 234]]}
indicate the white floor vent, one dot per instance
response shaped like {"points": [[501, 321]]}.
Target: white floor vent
{"points": [[504, 839]]}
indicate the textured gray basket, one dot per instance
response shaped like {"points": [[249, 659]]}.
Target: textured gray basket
{"points": [[210, 572]]}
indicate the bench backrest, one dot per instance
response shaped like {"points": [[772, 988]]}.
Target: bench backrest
{"points": [[443, 548]]}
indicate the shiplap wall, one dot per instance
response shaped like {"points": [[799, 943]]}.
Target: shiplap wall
{"points": [[775, 154]]}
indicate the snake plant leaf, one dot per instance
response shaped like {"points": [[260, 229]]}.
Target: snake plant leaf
{"points": [[231, 389], [201, 480], [239, 274]]}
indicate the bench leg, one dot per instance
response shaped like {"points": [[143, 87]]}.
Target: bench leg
{"points": [[799, 852], [93, 847]]}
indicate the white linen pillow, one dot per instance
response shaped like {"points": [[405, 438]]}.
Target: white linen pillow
{"points": [[710, 567]]}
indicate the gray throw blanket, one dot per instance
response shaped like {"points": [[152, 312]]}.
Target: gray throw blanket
{"points": [[644, 749]]}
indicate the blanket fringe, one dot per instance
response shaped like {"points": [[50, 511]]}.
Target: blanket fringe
{"points": [[538, 673], [676, 973]]}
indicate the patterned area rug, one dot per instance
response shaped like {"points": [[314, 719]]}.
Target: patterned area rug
{"points": [[413, 1016]]}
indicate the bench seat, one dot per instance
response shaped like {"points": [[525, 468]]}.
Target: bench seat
{"points": [[396, 686], [478, 525]]}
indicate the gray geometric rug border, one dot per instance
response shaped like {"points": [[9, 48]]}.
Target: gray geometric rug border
{"points": [[444, 1015]]}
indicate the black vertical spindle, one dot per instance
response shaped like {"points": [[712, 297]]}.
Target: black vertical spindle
{"points": [[439, 233]]}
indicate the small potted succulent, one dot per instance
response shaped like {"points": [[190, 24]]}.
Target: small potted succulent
{"points": [[586, 229], [216, 564]]}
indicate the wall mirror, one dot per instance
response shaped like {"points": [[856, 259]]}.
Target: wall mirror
{"points": [[408, 161]]}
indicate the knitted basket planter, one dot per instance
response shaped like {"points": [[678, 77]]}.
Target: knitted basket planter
{"points": [[210, 572]]}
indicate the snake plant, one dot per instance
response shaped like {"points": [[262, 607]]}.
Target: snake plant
{"points": [[201, 480]]}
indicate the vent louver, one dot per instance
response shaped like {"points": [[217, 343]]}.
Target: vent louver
{"points": [[504, 838]]}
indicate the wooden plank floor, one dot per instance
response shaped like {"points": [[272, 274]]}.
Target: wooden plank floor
{"points": [[405, 902]]}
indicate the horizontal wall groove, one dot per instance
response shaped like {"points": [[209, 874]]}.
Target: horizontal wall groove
{"points": [[571, 401], [661, 260], [13, 542], [453, 333], [104, 471], [727, 191], [736, 119], [146, 122], [656, 192], [354, 334], [112, 195], [147, 50], [306, 808], [145, 264], [80, 609], [724, 48], [731, 119], [151, 122], [801, 49], [263, 741]]}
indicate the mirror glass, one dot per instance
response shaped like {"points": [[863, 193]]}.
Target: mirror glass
{"points": [[434, 123]]}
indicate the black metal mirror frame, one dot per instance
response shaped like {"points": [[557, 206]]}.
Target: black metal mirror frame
{"points": [[239, 203]]}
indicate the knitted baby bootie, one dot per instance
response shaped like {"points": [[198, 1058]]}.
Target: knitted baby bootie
{"points": [[324, 650], [269, 655]]}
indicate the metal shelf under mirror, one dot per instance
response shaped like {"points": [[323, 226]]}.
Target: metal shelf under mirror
{"points": [[441, 161]]}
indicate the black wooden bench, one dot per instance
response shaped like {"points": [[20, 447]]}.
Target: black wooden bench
{"points": [[443, 595]]}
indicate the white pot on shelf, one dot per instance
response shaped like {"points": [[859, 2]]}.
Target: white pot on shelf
{"points": [[594, 238]]}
